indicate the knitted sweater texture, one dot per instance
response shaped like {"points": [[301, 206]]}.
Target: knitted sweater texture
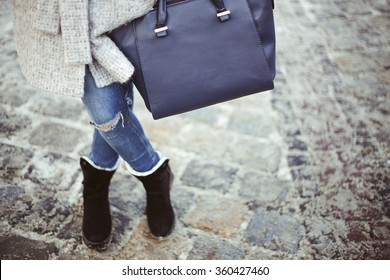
{"points": [[56, 39]]}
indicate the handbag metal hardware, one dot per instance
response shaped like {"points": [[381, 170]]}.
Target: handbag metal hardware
{"points": [[161, 29], [227, 12], [224, 15]]}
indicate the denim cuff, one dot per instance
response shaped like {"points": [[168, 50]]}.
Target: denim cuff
{"points": [[151, 171]]}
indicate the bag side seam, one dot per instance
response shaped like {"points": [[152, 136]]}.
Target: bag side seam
{"points": [[141, 64], [259, 39]]}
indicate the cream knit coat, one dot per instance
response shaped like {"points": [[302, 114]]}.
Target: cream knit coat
{"points": [[56, 39]]}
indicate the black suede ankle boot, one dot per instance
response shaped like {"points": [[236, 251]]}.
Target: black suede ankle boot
{"points": [[97, 215], [159, 211]]}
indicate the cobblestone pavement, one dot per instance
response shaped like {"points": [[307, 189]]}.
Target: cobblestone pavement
{"points": [[302, 172]]}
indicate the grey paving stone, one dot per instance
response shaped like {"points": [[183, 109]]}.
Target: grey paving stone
{"points": [[11, 124], [37, 210], [50, 216], [210, 115], [142, 246], [211, 248], [298, 160], [56, 137], [205, 175], [274, 231], [18, 208], [297, 144], [9, 195], [263, 155], [15, 247], [52, 169], [183, 200], [256, 123], [361, 8], [12, 162], [58, 106], [217, 214], [71, 232], [262, 189], [353, 63], [202, 139], [12, 99]]}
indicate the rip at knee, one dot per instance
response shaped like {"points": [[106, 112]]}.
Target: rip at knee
{"points": [[111, 125]]}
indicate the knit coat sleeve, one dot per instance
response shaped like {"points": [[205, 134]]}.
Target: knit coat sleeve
{"points": [[75, 31], [109, 63]]}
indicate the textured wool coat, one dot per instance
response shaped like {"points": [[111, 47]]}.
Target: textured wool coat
{"points": [[56, 39]]}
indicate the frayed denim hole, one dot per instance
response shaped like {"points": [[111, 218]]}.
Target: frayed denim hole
{"points": [[111, 125]]}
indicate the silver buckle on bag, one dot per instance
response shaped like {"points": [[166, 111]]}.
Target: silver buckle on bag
{"points": [[224, 15], [161, 31]]}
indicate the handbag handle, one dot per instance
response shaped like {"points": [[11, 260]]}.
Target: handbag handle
{"points": [[161, 29]]}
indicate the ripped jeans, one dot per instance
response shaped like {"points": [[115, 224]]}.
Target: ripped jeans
{"points": [[118, 132]]}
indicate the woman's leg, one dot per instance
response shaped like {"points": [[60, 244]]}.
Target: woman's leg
{"points": [[102, 156], [118, 131]]}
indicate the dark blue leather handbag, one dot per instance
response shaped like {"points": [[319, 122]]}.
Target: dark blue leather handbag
{"points": [[190, 54]]}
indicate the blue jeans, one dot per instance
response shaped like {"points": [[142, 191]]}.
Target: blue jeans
{"points": [[118, 133]]}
